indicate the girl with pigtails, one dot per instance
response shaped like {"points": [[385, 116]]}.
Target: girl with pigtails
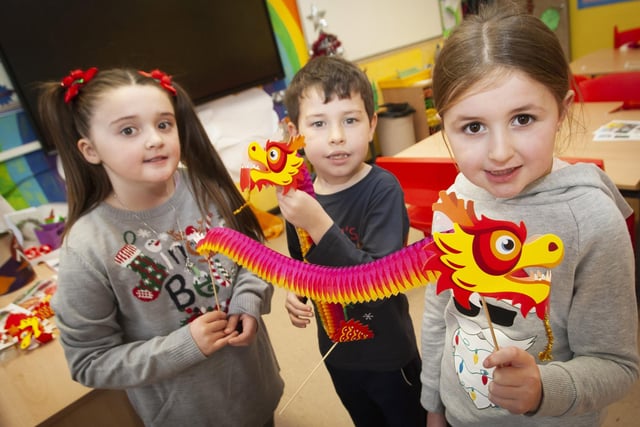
{"points": [[137, 308]]}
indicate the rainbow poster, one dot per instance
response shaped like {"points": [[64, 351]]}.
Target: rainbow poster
{"points": [[289, 37]]}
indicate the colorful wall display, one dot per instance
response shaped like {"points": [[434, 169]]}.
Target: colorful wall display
{"points": [[28, 176], [288, 30]]}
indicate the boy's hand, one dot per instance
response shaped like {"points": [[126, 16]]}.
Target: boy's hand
{"points": [[208, 331], [300, 313], [304, 211], [516, 385], [242, 328]]}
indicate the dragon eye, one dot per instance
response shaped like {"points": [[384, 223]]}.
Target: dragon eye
{"points": [[276, 160], [505, 245], [498, 251]]}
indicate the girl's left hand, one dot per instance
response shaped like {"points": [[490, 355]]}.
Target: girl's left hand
{"points": [[516, 385], [246, 325]]}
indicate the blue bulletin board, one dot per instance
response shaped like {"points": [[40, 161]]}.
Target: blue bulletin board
{"points": [[590, 3], [28, 176]]}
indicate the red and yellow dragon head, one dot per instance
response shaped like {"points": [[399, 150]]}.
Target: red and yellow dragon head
{"points": [[277, 164], [490, 256]]}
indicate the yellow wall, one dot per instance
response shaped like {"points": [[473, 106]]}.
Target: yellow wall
{"points": [[418, 56], [592, 27]]}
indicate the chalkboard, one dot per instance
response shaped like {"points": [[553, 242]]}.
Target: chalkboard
{"points": [[371, 27]]}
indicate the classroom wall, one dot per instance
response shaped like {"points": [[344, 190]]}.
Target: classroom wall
{"points": [[368, 28], [401, 61], [592, 27]]}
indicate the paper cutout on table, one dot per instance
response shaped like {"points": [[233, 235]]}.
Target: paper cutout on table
{"points": [[618, 130], [632, 65], [26, 320]]}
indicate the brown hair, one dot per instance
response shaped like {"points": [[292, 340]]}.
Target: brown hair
{"points": [[335, 76], [501, 38], [88, 184]]}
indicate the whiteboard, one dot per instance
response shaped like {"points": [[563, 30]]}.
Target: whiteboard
{"points": [[371, 27]]}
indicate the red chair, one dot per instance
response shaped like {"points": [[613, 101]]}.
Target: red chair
{"points": [[577, 79], [597, 162], [624, 87], [628, 36], [421, 179]]}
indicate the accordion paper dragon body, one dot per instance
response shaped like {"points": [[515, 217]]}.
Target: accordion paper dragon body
{"points": [[480, 255]]}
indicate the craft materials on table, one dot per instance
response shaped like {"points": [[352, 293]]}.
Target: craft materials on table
{"points": [[38, 231], [618, 130], [25, 322]]}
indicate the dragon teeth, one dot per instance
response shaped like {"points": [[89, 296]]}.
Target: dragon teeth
{"points": [[250, 166], [542, 276]]}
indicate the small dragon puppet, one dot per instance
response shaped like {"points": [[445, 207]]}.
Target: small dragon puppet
{"points": [[480, 255]]}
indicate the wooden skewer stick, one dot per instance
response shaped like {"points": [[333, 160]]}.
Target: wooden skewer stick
{"points": [[245, 204], [307, 379], [215, 291], [486, 312]]}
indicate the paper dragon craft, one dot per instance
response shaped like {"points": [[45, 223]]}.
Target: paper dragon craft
{"points": [[480, 255]]}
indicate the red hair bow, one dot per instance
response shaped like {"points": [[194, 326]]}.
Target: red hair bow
{"points": [[162, 78], [75, 80]]}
